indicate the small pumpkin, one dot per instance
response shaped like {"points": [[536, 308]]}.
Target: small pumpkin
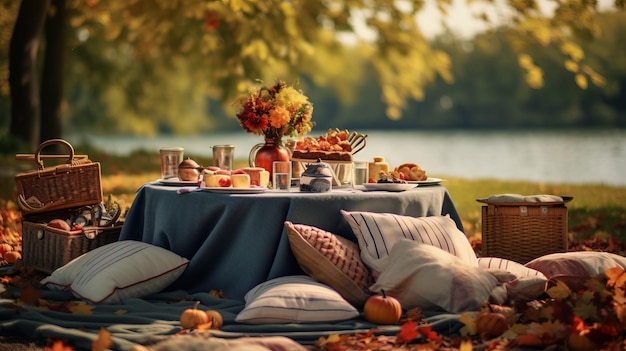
{"points": [[193, 317], [4, 248], [12, 256], [215, 318], [490, 325], [382, 309], [580, 342]]}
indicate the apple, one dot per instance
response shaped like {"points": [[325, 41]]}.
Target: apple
{"points": [[59, 224]]}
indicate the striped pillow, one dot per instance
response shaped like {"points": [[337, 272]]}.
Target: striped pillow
{"points": [[118, 271], [294, 299], [378, 232]]}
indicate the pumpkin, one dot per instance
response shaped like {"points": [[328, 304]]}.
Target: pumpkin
{"points": [[580, 342], [4, 248], [215, 318], [12, 256], [193, 317], [382, 309], [490, 325]]}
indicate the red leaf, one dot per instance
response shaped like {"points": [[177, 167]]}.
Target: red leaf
{"points": [[408, 332], [30, 295]]}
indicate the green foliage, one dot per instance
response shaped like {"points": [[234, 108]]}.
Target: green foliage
{"points": [[141, 67]]}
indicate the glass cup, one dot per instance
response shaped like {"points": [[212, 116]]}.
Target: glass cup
{"points": [[223, 156], [281, 175], [171, 157], [359, 172]]}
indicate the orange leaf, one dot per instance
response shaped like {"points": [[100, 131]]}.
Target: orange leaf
{"points": [[407, 332], [81, 308], [528, 340], [617, 277], [58, 346], [103, 342], [429, 333]]}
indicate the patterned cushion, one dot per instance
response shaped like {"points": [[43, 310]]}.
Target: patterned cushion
{"points": [[294, 299], [422, 275], [378, 232], [331, 259]]}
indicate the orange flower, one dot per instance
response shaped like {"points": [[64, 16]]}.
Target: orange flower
{"points": [[275, 112]]}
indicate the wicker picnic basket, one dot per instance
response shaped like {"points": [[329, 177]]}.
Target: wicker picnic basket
{"points": [[523, 231], [48, 248], [75, 183]]}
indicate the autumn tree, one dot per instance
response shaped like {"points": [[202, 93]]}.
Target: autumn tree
{"points": [[227, 45]]}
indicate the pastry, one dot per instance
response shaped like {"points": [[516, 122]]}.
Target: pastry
{"points": [[323, 155], [334, 146], [258, 176], [217, 180], [240, 180], [411, 172]]}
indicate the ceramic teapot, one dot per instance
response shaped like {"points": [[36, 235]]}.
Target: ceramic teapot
{"points": [[317, 178]]}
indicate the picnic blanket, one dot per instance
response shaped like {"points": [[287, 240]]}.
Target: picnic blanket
{"points": [[153, 319]]}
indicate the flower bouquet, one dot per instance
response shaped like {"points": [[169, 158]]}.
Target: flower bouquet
{"points": [[276, 111]]}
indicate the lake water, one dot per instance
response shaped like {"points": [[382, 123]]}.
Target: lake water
{"points": [[577, 157]]}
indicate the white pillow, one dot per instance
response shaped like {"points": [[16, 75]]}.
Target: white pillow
{"points": [[524, 282], [575, 268], [117, 271], [378, 232], [421, 275], [294, 299]]}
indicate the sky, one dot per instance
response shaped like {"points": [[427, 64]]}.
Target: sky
{"points": [[460, 17]]}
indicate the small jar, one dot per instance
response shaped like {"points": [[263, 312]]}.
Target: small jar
{"points": [[374, 168]]}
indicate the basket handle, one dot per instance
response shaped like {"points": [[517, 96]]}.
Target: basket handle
{"points": [[26, 207], [51, 142]]}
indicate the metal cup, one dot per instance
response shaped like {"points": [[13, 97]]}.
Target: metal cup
{"points": [[171, 157], [223, 156]]}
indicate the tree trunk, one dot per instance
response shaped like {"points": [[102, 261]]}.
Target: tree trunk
{"points": [[52, 74], [25, 113]]}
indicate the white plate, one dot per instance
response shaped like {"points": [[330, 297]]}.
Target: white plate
{"points": [[388, 186], [177, 182], [231, 190], [428, 181]]}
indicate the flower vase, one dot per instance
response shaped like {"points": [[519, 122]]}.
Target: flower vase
{"points": [[264, 154]]}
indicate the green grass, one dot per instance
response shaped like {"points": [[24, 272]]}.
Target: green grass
{"points": [[596, 210]]}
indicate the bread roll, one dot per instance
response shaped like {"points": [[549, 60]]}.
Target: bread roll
{"points": [[412, 172]]}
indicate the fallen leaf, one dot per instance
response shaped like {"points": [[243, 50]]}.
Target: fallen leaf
{"points": [[103, 342], [408, 332], [58, 346], [29, 295], [81, 308], [560, 291], [617, 277]]}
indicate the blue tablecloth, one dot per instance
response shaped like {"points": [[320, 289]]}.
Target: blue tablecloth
{"points": [[236, 241]]}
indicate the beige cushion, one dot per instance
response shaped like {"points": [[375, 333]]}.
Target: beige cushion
{"points": [[331, 259], [422, 275]]}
